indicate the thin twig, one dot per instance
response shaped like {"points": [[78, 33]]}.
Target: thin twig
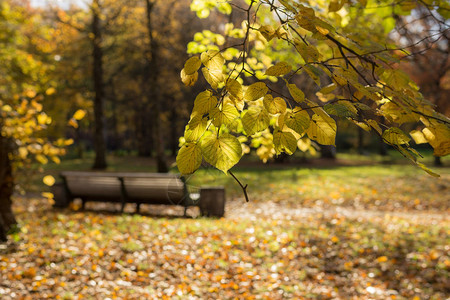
{"points": [[244, 188]]}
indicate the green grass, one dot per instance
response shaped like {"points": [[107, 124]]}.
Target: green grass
{"points": [[355, 181]]}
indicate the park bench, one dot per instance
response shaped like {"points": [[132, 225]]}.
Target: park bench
{"points": [[139, 188]]}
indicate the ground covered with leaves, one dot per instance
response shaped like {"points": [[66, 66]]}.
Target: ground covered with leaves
{"points": [[274, 247]]}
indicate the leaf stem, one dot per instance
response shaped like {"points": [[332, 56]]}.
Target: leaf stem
{"points": [[244, 188]]}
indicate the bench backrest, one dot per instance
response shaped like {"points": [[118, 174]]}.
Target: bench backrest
{"points": [[165, 188]]}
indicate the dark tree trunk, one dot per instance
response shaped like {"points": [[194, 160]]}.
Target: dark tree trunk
{"points": [[7, 219], [437, 161], [151, 76], [97, 55], [360, 140], [328, 152], [383, 147], [145, 139], [174, 131]]}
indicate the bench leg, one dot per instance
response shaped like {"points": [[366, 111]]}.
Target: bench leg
{"points": [[83, 204], [122, 207], [185, 211], [138, 207]]}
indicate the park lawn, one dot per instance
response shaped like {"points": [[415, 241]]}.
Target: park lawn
{"points": [[371, 231], [70, 254], [352, 182]]}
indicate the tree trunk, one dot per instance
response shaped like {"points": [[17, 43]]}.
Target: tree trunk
{"points": [[383, 147], [437, 161], [360, 140], [174, 131], [152, 78], [97, 55], [328, 152], [7, 219]]}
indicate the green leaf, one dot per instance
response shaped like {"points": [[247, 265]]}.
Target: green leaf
{"points": [[284, 142], [298, 121], [234, 88], [280, 69], [192, 65], [204, 102], [274, 105], [395, 136], [255, 119], [189, 158], [224, 116], [296, 93], [322, 129], [222, 152], [255, 91]]}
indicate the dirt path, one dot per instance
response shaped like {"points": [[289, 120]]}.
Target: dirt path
{"points": [[238, 209]]}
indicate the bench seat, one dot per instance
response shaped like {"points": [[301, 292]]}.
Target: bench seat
{"points": [[126, 187]]}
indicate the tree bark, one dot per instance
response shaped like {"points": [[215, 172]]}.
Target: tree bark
{"points": [[437, 161], [97, 55], [151, 76], [7, 219], [328, 152]]}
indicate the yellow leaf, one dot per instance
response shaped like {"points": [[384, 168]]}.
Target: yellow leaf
{"points": [[328, 89], [30, 93], [188, 80], [255, 119], [374, 124], [255, 91], [7, 108], [213, 76], [280, 69], [68, 142], [298, 120], [42, 118], [212, 60], [72, 122], [267, 32], [296, 93], [79, 114], [23, 152], [418, 137], [189, 158], [204, 102], [222, 152], [382, 259], [225, 116], [196, 128], [284, 141], [42, 159], [47, 195], [49, 180], [192, 65], [274, 105], [395, 136], [304, 144], [322, 129], [234, 88], [50, 91]]}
